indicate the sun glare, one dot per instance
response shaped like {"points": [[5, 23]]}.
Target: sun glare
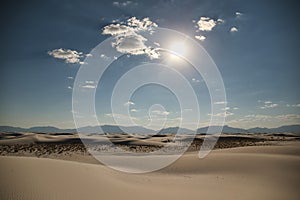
{"points": [[178, 48]]}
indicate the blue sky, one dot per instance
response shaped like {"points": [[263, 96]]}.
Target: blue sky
{"points": [[255, 47]]}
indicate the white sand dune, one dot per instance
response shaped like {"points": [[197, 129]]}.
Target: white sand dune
{"points": [[261, 172]]}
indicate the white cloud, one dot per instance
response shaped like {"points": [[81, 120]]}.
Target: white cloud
{"points": [[226, 108], [233, 29], [124, 4], [90, 82], [120, 117], [265, 120], [207, 24], [294, 105], [88, 86], [129, 103], [222, 114], [116, 29], [220, 102], [238, 14], [269, 104], [70, 56], [141, 25], [200, 37], [133, 44], [159, 112], [221, 21], [196, 80], [127, 37], [103, 56]]}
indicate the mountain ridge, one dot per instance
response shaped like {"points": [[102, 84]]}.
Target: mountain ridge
{"points": [[139, 129]]}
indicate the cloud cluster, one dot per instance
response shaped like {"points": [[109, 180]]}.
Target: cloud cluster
{"points": [[294, 105], [207, 24], [127, 37], [200, 37], [222, 114], [116, 29], [269, 104], [227, 110], [266, 120], [89, 85], [122, 4], [120, 117], [196, 80], [70, 56]]}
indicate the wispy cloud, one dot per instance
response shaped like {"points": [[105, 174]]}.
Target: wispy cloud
{"points": [[269, 104], [88, 86], [265, 120], [226, 108], [120, 117], [159, 112], [293, 105], [129, 103], [196, 80], [70, 56], [103, 56], [90, 82], [122, 4], [222, 114], [220, 102]]}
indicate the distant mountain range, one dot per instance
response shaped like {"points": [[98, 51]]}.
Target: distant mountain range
{"points": [[86, 129], [175, 130], [226, 129], [142, 130]]}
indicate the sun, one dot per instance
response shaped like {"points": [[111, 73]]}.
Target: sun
{"points": [[178, 49]]}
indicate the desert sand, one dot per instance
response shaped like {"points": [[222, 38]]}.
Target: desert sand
{"points": [[253, 172]]}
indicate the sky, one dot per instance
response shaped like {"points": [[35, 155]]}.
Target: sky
{"points": [[255, 45]]}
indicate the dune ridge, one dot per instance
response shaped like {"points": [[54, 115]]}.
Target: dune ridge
{"points": [[259, 172]]}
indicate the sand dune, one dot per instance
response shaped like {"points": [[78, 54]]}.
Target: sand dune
{"points": [[260, 172]]}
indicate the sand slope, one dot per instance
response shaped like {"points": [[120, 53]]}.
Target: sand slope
{"points": [[262, 172]]}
